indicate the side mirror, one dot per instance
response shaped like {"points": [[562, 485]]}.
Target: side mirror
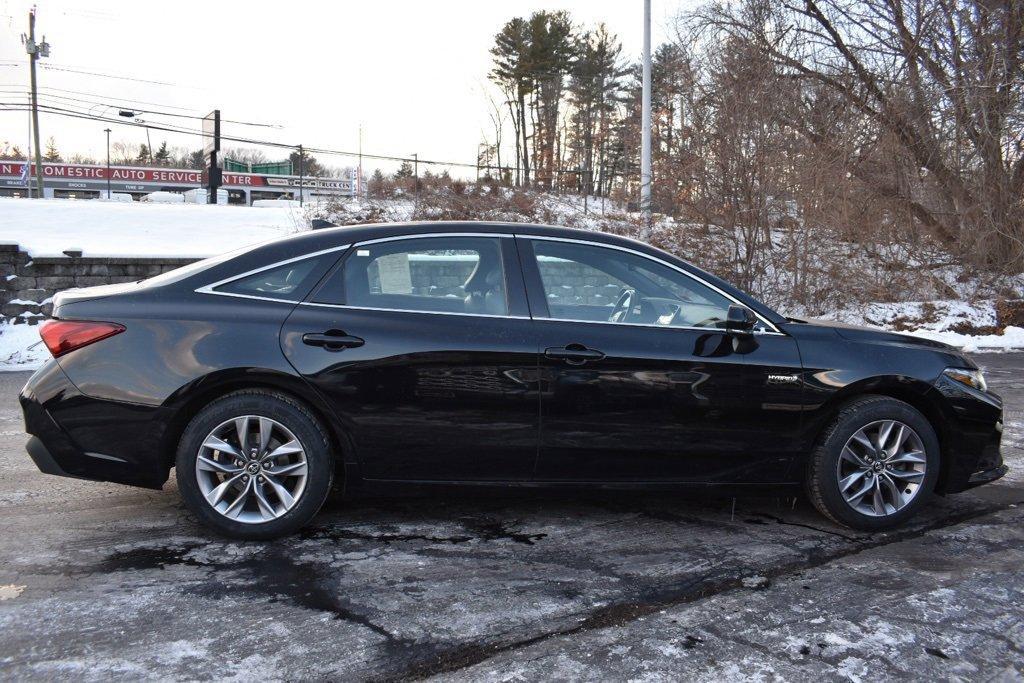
{"points": [[740, 320]]}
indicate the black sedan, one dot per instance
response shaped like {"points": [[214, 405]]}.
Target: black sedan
{"points": [[418, 356]]}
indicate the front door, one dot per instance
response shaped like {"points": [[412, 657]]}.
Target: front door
{"points": [[639, 379], [425, 349]]}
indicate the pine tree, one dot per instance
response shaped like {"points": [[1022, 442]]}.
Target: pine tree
{"points": [[51, 151], [196, 159], [143, 156], [162, 155], [511, 73], [405, 171]]}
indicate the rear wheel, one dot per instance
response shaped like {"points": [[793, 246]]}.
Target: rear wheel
{"points": [[254, 465], [875, 466]]}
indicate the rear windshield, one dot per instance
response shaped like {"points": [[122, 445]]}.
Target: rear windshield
{"points": [[179, 274]]}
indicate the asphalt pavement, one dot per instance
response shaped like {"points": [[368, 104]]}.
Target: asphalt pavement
{"points": [[100, 581]]}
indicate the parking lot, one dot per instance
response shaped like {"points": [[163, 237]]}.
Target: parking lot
{"points": [[101, 581]]}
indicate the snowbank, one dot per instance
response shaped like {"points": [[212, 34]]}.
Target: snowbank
{"points": [[48, 227], [1012, 339], [938, 320]]}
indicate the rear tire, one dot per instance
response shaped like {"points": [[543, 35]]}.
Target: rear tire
{"points": [[883, 447], [254, 465]]}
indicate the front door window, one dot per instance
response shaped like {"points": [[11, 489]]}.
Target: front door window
{"points": [[592, 283]]}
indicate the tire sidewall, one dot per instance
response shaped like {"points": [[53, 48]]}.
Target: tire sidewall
{"points": [[851, 419], [319, 462]]}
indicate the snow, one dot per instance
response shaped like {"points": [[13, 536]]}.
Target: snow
{"points": [[21, 348], [1011, 339], [938, 320], [49, 227]]}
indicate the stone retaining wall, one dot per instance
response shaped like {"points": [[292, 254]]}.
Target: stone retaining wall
{"points": [[28, 284]]}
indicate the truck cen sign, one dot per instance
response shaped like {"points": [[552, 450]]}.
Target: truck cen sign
{"points": [[61, 179]]}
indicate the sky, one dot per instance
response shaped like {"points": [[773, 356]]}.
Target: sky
{"points": [[412, 73]]}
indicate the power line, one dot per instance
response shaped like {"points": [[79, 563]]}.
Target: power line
{"points": [[51, 67], [61, 106], [95, 103], [59, 111], [105, 97]]}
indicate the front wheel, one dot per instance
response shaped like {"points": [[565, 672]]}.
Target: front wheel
{"points": [[875, 466], [254, 465]]}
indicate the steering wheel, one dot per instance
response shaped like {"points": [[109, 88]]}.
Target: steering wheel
{"points": [[623, 306]]}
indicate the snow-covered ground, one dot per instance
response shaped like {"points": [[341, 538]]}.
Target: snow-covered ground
{"points": [[21, 348], [48, 228]]}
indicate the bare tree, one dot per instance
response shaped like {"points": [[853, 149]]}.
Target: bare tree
{"points": [[938, 82]]}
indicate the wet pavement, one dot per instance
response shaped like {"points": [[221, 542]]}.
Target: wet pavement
{"points": [[100, 581]]}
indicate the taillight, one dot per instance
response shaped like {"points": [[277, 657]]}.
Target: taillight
{"points": [[64, 336]]}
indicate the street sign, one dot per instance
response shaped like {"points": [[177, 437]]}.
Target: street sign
{"points": [[211, 133]]}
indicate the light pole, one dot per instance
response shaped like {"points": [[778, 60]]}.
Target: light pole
{"points": [[645, 134], [302, 174], [128, 114], [416, 172], [107, 131]]}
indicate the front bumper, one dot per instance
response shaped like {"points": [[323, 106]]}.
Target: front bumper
{"points": [[971, 433], [986, 476]]}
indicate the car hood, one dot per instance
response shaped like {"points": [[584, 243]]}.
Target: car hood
{"points": [[874, 334]]}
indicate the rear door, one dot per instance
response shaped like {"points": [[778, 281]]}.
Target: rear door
{"points": [[424, 347], [639, 380]]}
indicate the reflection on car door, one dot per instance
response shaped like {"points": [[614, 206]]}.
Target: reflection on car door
{"points": [[655, 396], [425, 349]]}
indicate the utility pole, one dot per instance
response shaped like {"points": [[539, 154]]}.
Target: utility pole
{"points": [[359, 178], [34, 53], [107, 131], [28, 157], [416, 172], [302, 174], [645, 135]]}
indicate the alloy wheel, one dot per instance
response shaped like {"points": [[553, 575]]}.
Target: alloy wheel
{"points": [[251, 469], [881, 468]]}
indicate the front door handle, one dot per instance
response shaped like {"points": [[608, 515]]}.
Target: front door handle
{"points": [[574, 354], [332, 340]]}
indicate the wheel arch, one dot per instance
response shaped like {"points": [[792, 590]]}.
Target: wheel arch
{"points": [[914, 392], [186, 403]]}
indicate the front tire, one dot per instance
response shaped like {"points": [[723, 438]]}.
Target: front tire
{"points": [[254, 465], [875, 465]]}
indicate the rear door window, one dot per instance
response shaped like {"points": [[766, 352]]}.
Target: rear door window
{"points": [[445, 274]]}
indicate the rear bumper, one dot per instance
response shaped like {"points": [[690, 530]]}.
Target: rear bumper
{"points": [[44, 460], [72, 435]]}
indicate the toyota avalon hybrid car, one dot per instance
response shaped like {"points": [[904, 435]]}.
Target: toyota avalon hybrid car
{"points": [[423, 355]]}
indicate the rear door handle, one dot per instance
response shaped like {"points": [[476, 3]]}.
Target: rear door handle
{"points": [[332, 340], [574, 354]]}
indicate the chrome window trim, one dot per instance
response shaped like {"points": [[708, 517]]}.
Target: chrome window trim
{"points": [[772, 328], [209, 288], [720, 330], [408, 310]]}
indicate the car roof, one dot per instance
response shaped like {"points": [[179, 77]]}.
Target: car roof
{"points": [[369, 231]]}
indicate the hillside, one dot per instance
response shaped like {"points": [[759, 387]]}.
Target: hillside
{"points": [[912, 288]]}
